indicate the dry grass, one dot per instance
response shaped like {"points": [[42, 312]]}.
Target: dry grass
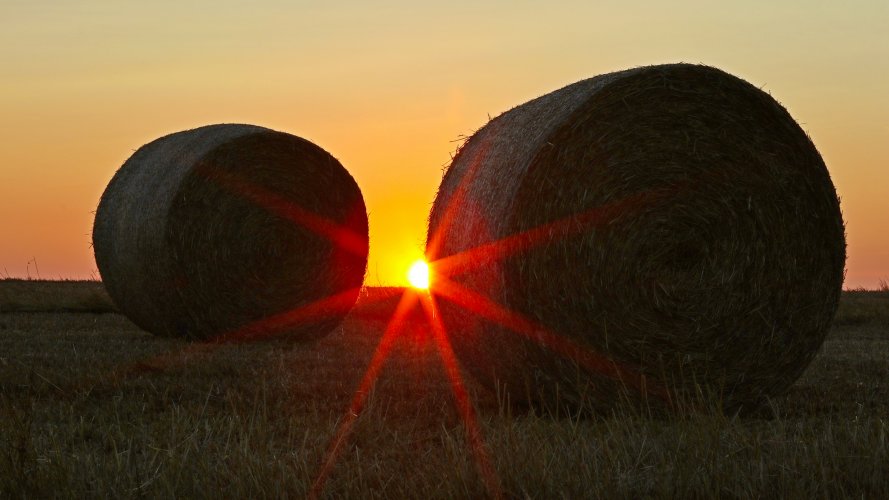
{"points": [[863, 307], [91, 406], [674, 218], [55, 296]]}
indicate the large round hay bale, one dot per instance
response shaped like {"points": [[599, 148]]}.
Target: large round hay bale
{"points": [[232, 231], [661, 232]]}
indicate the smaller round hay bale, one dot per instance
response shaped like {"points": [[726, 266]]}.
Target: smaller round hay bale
{"points": [[658, 233], [232, 231]]}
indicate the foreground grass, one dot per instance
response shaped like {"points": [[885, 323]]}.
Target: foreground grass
{"points": [[90, 406]]}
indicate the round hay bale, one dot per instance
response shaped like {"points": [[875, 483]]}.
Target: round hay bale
{"points": [[232, 231], [662, 233]]}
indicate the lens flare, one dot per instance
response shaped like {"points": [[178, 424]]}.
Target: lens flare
{"points": [[418, 275]]}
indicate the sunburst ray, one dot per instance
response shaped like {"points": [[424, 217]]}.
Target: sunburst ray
{"points": [[583, 356], [367, 383], [467, 412], [285, 208]]}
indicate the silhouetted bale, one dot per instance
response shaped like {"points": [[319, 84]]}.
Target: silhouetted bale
{"points": [[668, 231], [232, 232]]}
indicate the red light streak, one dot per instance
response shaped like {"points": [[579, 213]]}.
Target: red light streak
{"points": [[327, 307], [361, 393], [461, 396], [258, 330], [285, 208], [486, 253], [585, 357]]}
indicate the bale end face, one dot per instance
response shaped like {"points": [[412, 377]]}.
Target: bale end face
{"points": [[232, 232], [662, 232]]}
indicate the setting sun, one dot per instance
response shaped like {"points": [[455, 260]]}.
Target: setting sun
{"points": [[418, 275]]}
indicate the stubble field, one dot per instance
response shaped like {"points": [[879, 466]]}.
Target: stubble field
{"points": [[91, 406]]}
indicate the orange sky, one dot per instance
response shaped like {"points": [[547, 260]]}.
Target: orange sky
{"points": [[388, 88]]}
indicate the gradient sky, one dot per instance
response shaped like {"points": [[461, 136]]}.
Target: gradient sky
{"points": [[388, 88]]}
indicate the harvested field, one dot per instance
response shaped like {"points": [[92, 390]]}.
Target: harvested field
{"points": [[54, 296], [92, 406]]}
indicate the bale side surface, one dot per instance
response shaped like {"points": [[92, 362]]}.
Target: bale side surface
{"points": [[203, 233], [692, 235]]}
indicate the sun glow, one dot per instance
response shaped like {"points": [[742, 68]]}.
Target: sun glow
{"points": [[418, 275]]}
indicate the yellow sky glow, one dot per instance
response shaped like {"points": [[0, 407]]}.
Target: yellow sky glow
{"points": [[386, 87]]}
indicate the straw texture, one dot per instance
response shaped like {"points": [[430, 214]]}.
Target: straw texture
{"points": [[232, 231], [672, 223]]}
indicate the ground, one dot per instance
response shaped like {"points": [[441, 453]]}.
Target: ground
{"points": [[91, 406]]}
